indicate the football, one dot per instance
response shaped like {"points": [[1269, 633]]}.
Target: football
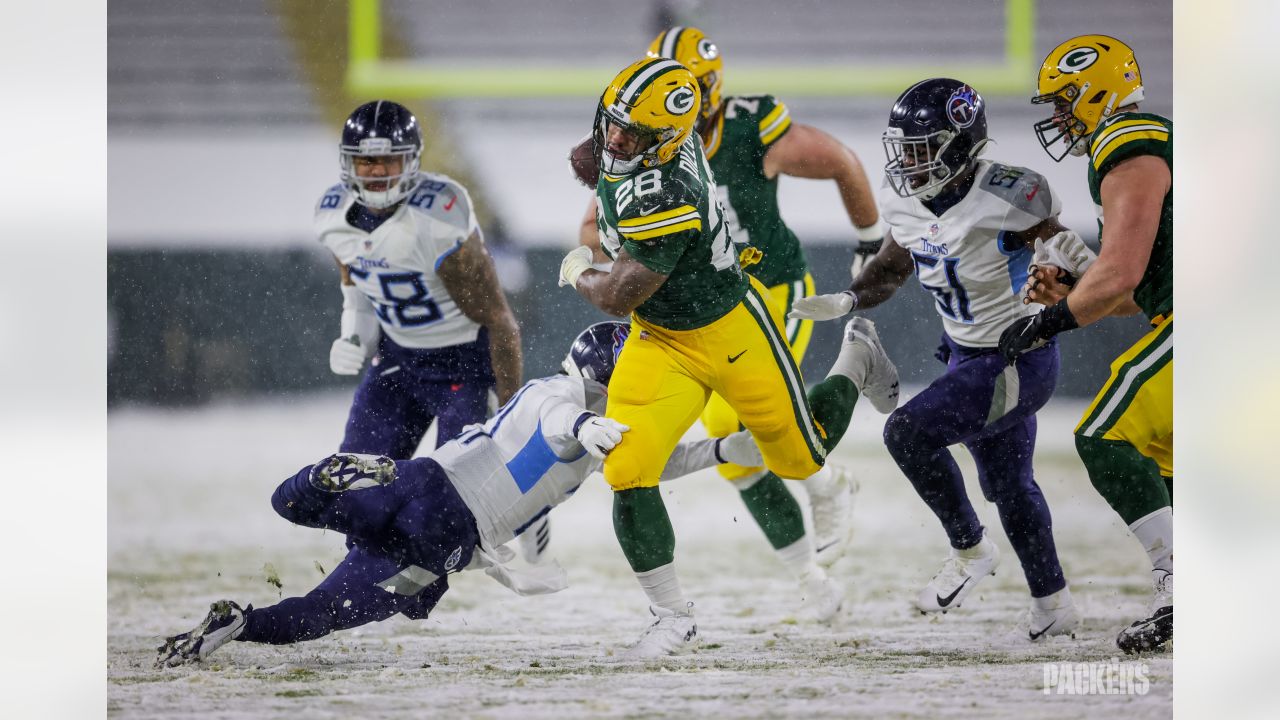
{"points": [[582, 159]]}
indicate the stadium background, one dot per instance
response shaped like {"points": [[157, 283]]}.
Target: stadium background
{"points": [[223, 120]]}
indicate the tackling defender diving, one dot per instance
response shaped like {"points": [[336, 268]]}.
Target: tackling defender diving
{"points": [[410, 523]]}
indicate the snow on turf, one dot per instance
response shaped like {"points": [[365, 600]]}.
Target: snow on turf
{"points": [[190, 522]]}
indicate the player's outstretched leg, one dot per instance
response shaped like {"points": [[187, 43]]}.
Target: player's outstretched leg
{"points": [[364, 588]]}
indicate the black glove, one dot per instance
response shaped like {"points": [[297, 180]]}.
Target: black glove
{"points": [[1030, 331]]}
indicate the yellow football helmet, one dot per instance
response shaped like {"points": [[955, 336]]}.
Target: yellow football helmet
{"points": [[691, 47], [653, 100], [1087, 78]]}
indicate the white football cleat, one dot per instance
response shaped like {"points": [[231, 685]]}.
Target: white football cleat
{"points": [[671, 634], [821, 598], [223, 624], [535, 540], [831, 492], [960, 573], [880, 375], [1055, 614]]}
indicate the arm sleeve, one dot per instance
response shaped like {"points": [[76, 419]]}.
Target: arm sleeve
{"points": [[563, 402], [690, 457], [358, 319]]}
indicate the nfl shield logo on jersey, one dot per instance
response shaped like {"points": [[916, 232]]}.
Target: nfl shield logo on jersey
{"points": [[934, 230], [368, 245]]}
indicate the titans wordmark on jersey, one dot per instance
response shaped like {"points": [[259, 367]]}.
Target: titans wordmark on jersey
{"points": [[395, 265], [969, 258]]}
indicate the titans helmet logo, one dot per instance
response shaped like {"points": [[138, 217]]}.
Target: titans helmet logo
{"points": [[619, 339], [962, 107]]}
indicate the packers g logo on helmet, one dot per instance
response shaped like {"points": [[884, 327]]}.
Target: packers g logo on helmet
{"points": [[651, 100], [681, 100], [691, 47], [1078, 59], [1087, 79]]}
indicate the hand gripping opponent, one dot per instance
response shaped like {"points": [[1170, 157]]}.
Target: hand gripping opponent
{"points": [[597, 434]]}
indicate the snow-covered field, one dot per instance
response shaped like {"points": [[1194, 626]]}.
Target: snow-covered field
{"points": [[190, 522]]}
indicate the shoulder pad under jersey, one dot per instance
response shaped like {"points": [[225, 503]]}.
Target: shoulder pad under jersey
{"points": [[442, 198], [1024, 189]]}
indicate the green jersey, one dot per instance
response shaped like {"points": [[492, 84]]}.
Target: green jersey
{"points": [[668, 219], [742, 133], [1121, 137]]}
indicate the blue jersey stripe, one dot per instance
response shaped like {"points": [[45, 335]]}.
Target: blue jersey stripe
{"points": [[532, 462], [1017, 262]]}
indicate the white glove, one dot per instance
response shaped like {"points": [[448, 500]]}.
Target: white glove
{"points": [[346, 357], [740, 449], [599, 435], [574, 264], [822, 307], [1065, 250]]}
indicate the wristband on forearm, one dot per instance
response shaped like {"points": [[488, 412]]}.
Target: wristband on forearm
{"points": [[577, 424], [874, 231], [1057, 318]]}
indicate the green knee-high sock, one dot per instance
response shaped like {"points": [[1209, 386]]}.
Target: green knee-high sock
{"points": [[1168, 483], [643, 528], [831, 402], [775, 510], [1128, 480]]}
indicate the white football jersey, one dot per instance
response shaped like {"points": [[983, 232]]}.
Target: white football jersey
{"points": [[968, 258], [525, 460], [395, 265]]}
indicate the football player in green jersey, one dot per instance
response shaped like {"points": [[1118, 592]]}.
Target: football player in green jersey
{"points": [[750, 141], [699, 325], [1126, 436]]}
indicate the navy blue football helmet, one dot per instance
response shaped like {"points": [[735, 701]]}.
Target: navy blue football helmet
{"points": [[595, 351], [936, 129], [386, 130]]}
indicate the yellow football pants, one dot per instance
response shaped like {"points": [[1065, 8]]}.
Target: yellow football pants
{"points": [[718, 418], [664, 377], [1136, 403]]}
